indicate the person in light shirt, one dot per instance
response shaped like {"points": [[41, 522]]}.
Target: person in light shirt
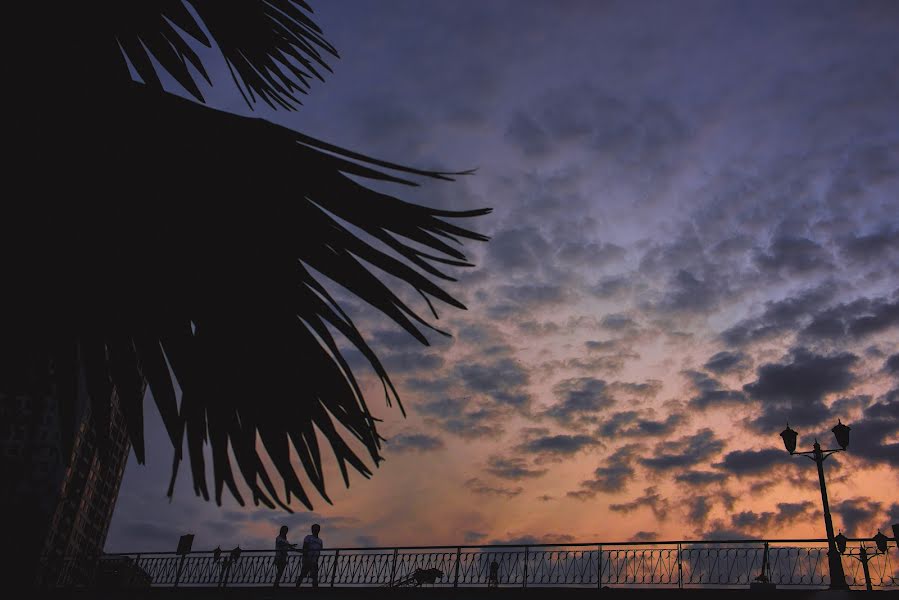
{"points": [[312, 547]]}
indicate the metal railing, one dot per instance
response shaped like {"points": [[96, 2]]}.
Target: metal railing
{"points": [[680, 564]]}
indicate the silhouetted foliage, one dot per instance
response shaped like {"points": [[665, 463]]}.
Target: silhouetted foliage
{"points": [[187, 246]]}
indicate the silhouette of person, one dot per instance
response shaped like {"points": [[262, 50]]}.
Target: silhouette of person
{"points": [[493, 577], [312, 547], [282, 547]]}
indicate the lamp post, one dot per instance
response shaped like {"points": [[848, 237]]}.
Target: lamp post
{"points": [[841, 432], [862, 556]]}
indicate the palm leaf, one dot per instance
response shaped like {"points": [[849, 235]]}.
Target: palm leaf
{"points": [[242, 225], [271, 47]]}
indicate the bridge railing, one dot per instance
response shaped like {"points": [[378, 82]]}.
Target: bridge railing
{"points": [[735, 563]]}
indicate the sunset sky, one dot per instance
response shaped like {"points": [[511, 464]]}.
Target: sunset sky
{"points": [[695, 239]]}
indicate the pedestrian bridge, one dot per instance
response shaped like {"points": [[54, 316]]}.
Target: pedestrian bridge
{"points": [[671, 567]]}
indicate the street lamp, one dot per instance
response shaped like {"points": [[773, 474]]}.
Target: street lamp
{"points": [[880, 541], [841, 432]]}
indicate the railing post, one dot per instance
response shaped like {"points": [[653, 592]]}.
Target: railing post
{"points": [[458, 557], [334, 566], [227, 572], [524, 579], [178, 572], [599, 567], [393, 566], [680, 567], [136, 570], [863, 557]]}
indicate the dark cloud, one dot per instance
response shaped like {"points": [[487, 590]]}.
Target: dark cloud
{"points": [[842, 407], [530, 540], [870, 247], [891, 364], [684, 251], [698, 509], [857, 319], [713, 398], [398, 340], [619, 322], [589, 253], [651, 499], [686, 293], [611, 477], [415, 442], [608, 364], [793, 390], [408, 362], [857, 516], [482, 488], [549, 446], [602, 345], [632, 424], [780, 316], [612, 287], [432, 386], [873, 435], [503, 379], [473, 537], [719, 530], [579, 399], [647, 389], [571, 325], [786, 513], [304, 521], [645, 536], [464, 416], [808, 316], [530, 296], [686, 451], [535, 328], [794, 256], [753, 462], [892, 518], [638, 139], [727, 362], [700, 478], [711, 392], [512, 468], [513, 250]]}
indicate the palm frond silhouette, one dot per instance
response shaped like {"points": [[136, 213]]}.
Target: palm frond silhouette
{"points": [[198, 257]]}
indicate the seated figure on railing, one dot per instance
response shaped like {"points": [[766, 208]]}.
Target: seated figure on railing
{"points": [[493, 577]]}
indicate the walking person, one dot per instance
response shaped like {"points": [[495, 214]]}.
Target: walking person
{"points": [[282, 547], [312, 547]]}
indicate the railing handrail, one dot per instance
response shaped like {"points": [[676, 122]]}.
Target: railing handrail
{"points": [[523, 545]]}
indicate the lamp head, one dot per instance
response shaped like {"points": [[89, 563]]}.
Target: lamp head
{"points": [[841, 542], [881, 541], [841, 432], [789, 437]]}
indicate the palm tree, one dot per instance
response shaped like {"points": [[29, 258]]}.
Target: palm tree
{"points": [[170, 244]]}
